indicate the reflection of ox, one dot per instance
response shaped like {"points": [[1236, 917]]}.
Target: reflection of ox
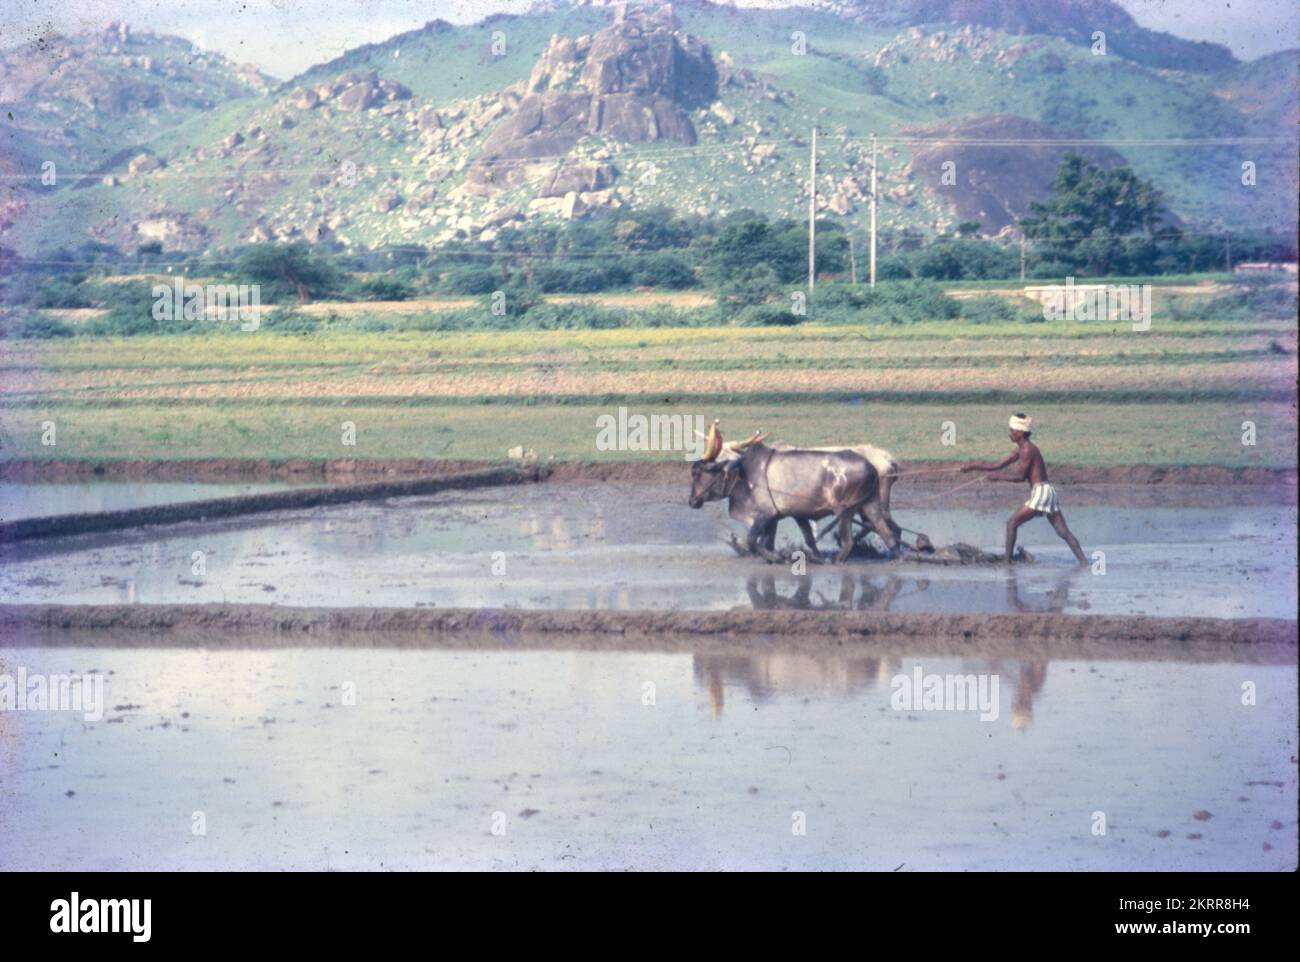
{"points": [[765, 484]]}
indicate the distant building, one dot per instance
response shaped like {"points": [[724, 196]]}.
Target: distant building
{"points": [[1264, 267]]}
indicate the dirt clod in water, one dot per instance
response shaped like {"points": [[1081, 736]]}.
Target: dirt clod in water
{"points": [[924, 552], [965, 554]]}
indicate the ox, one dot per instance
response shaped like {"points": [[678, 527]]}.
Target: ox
{"points": [[764, 484]]}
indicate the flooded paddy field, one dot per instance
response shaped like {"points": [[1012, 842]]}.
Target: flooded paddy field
{"points": [[522, 753], [74, 497], [1169, 551]]}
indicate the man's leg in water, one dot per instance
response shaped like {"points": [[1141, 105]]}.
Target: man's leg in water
{"points": [[1058, 522], [1013, 525]]}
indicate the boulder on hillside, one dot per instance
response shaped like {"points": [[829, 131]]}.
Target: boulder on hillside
{"points": [[144, 164], [635, 81], [579, 177], [358, 97]]}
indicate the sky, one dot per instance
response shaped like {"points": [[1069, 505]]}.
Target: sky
{"points": [[285, 37]]}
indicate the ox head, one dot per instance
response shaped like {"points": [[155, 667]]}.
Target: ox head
{"points": [[715, 475]]}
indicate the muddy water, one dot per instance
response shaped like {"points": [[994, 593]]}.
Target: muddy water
{"points": [[627, 546], [370, 758], [38, 500]]}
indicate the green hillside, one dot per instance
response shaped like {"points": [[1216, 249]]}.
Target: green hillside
{"points": [[379, 146]]}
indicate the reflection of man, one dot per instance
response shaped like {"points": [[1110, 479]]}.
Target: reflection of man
{"points": [[715, 692], [1030, 683], [1057, 598]]}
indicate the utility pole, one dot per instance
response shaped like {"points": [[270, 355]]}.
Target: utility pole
{"points": [[812, 214], [853, 264], [873, 210], [1022, 257], [1227, 253]]}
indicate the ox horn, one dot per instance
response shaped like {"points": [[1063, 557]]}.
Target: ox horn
{"points": [[712, 443], [742, 445]]}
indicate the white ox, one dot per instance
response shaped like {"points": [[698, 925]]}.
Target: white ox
{"points": [[886, 465]]}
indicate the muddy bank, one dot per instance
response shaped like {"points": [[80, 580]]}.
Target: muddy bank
{"points": [[344, 470], [832, 627], [334, 470], [207, 637], [299, 498]]}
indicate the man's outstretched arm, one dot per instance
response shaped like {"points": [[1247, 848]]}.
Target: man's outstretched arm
{"points": [[976, 466]]}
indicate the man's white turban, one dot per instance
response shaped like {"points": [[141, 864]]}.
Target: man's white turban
{"points": [[1020, 424]]}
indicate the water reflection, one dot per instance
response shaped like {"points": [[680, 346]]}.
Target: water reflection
{"points": [[863, 591], [1054, 599], [765, 676], [857, 592], [768, 676]]}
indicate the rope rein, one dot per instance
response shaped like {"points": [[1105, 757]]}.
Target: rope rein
{"points": [[908, 474], [942, 494]]}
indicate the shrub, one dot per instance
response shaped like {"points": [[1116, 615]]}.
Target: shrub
{"points": [[920, 300], [287, 320], [61, 292], [1252, 301], [766, 315], [569, 278], [34, 326], [131, 312], [988, 308], [471, 280], [556, 317], [663, 270], [752, 285], [381, 289]]}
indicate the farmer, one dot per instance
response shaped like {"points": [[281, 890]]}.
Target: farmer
{"points": [[1042, 496]]}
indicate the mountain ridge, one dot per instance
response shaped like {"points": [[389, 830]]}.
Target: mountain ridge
{"points": [[451, 132]]}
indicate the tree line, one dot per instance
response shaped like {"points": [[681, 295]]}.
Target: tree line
{"points": [[1095, 222]]}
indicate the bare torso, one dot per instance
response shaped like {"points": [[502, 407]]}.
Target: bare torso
{"points": [[1031, 461]]}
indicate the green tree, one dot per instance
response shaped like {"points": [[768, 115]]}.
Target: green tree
{"points": [[283, 269], [1091, 209]]}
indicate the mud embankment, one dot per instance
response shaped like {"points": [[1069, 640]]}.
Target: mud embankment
{"points": [[199, 470], [25, 529], [350, 470], [830, 628]]}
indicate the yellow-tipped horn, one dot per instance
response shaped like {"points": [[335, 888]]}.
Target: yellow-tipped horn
{"points": [[712, 443]]}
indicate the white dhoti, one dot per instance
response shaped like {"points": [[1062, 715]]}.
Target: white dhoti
{"points": [[1042, 497]]}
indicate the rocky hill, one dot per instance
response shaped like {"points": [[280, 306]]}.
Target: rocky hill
{"points": [[1075, 21], [447, 132], [81, 98]]}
